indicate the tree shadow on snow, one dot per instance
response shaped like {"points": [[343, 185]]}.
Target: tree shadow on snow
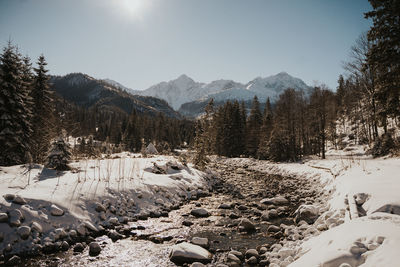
{"points": [[49, 174]]}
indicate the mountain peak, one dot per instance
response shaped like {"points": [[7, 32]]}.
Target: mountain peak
{"points": [[185, 78]]}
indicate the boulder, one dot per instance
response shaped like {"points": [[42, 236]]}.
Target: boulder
{"points": [[251, 253], [3, 217], [360, 198], [78, 247], [200, 241], [200, 213], [188, 253], [94, 249], [56, 211], [273, 229], [24, 231], [99, 207], [252, 261], [9, 197], [308, 213], [225, 206], [233, 258]]}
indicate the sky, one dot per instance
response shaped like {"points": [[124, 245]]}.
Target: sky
{"points": [[139, 43]]}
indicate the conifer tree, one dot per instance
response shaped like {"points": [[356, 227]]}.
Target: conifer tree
{"points": [[253, 127], [43, 118], [15, 128], [266, 129]]}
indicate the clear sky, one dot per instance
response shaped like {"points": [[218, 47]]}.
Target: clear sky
{"points": [[142, 42]]}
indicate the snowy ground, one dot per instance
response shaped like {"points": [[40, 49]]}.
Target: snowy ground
{"points": [[360, 222], [94, 191]]}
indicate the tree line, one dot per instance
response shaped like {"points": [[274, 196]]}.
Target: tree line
{"points": [[366, 101]]}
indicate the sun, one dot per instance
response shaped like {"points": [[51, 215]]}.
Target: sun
{"points": [[133, 9]]}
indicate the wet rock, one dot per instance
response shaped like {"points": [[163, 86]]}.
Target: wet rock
{"points": [[114, 235], [19, 200], [35, 226], [233, 258], [94, 249], [49, 247], [279, 200], [200, 241], [14, 261], [59, 233], [15, 217], [237, 254], [188, 253], [200, 213], [78, 247], [56, 211], [100, 207], [308, 213], [113, 221], [81, 229], [247, 225], [90, 226], [242, 207], [3, 217], [24, 231]]}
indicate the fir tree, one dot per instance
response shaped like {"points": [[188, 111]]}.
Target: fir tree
{"points": [[43, 118], [58, 156], [15, 128], [253, 127], [266, 129]]}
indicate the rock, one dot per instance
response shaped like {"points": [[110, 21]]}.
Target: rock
{"points": [[90, 226], [99, 207], [252, 260], [3, 217], [64, 246], [273, 229], [24, 231], [233, 258], [242, 207], [78, 247], [286, 252], [113, 221], [360, 198], [114, 235], [35, 226], [356, 250], [19, 200], [59, 234], [73, 234], [225, 206], [251, 253], [14, 260], [372, 246], [200, 213], [1, 237], [237, 254], [187, 223], [200, 241], [49, 247], [15, 218], [279, 200], [81, 229], [308, 213], [233, 216], [188, 253], [197, 264], [94, 249], [247, 225], [9, 197], [56, 211]]}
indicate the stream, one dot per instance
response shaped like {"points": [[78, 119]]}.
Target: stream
{"points": [[239, 187]]}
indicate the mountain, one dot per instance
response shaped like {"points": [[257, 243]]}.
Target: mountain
{"points": [[84, 90], [120, 86]]}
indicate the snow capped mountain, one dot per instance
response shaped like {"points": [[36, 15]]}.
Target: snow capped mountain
{"points": [[120, 86]]}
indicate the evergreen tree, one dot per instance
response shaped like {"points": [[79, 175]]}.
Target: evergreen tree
{"points": [[384, 55], [253, 127], [58, 156], [43, 118], [266, 129], [15, 128]]}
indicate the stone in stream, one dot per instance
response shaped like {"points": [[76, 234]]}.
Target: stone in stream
{"points": [[251, 253], [200, 241], [24, 231], [56, 211], [233, 258], [225, 206], [19, 200], [308, 213], [200, 213], [78, 247], [188, 253], [94, 249], [100, 207], [64, 246], [252, 260], [273, 229], [3, 217], [36, 227], [247, 225]]}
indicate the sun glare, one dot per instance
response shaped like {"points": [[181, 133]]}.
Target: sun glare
{"points": [[133, 9]]}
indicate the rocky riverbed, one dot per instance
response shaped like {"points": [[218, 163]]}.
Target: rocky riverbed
{"points": [[248, 218]]}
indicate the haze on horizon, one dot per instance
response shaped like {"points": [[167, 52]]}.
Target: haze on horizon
{"points": [[142, 42]]}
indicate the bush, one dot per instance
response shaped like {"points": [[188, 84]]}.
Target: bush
{"points": [[383, 145]]}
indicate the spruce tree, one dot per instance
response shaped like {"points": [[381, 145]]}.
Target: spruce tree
{"points": [[43, 118], [266, 129], [15, 128], [253, 127]]}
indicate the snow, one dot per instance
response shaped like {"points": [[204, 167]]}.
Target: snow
{"points": [[76, 192]]}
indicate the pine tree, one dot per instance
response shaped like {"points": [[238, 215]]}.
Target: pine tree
{"points": [[384, 55], [43, 118], [58, 156], [15, 128], [253, 128], [266, 129]]}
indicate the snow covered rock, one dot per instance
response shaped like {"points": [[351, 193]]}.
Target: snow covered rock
{"points": [[24, 231], [308, 213], [188, 253], [279, 200], [360, 198], [94, 249], [56, 211]]}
